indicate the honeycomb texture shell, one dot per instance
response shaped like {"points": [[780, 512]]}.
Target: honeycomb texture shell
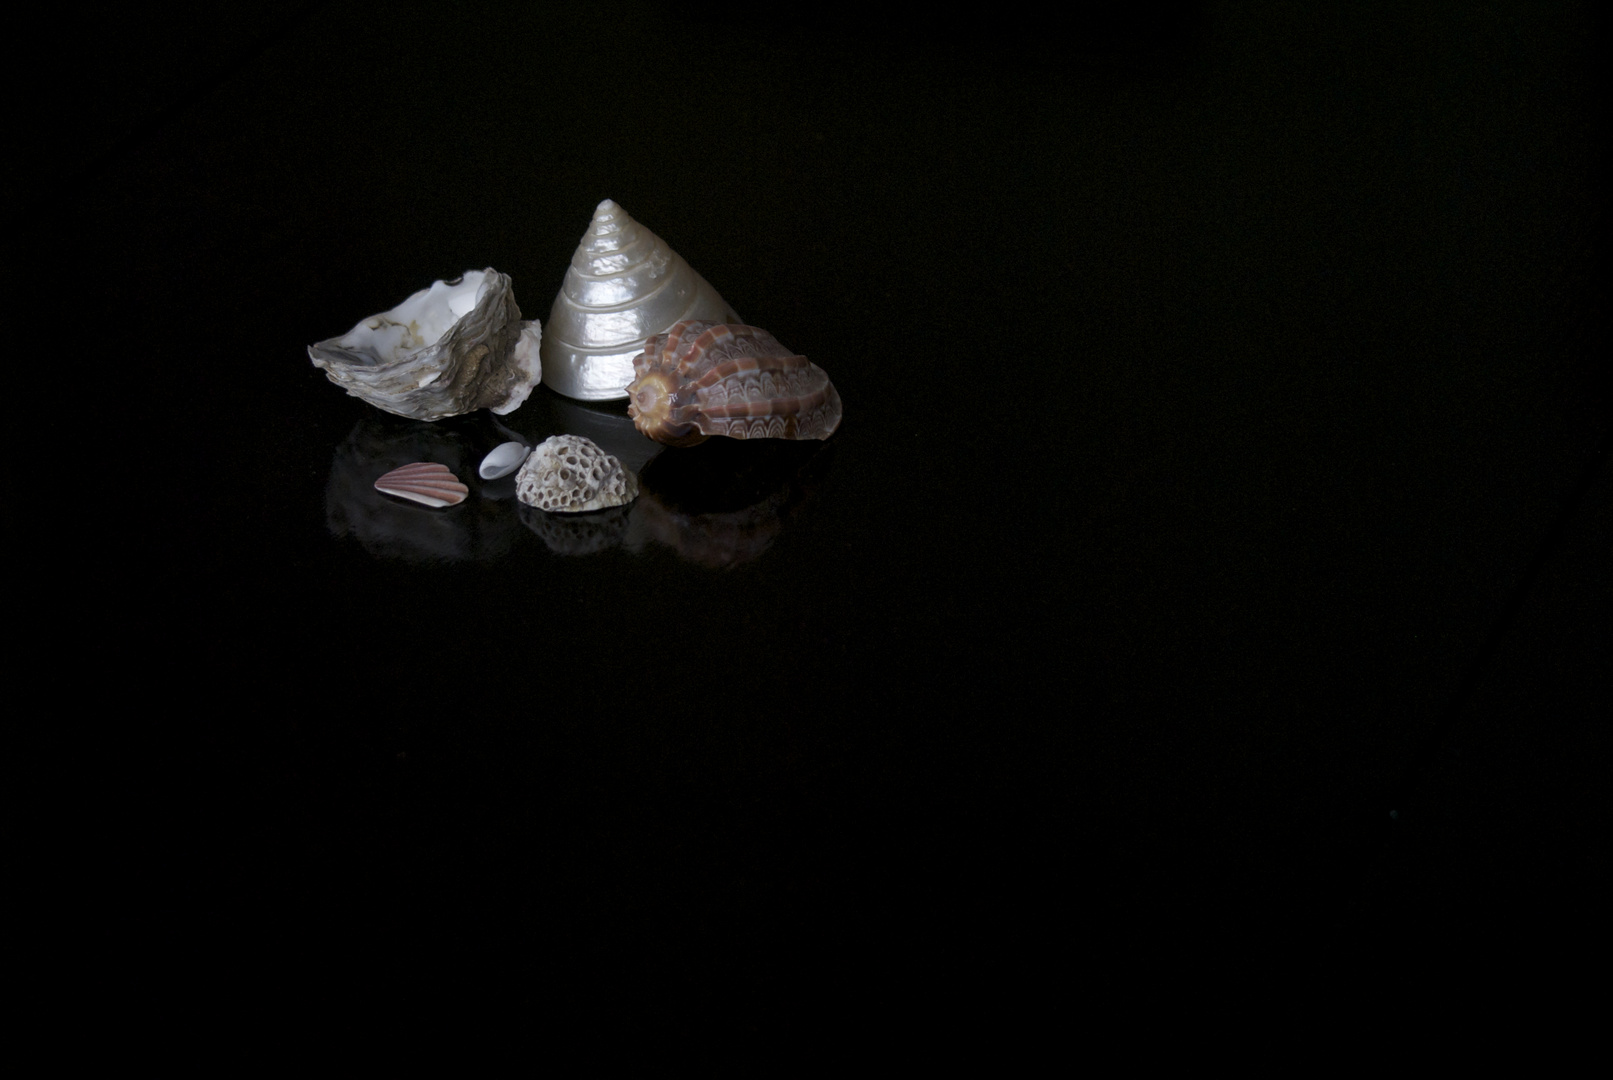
{"points": [[569, 474]]}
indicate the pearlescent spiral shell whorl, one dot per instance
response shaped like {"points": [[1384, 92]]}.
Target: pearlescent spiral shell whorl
{"points": [[701, 379], [624, 284]]}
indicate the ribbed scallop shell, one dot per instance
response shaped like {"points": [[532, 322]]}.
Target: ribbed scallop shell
{"points": [[624, 284], [701, 379], [424, 482]]}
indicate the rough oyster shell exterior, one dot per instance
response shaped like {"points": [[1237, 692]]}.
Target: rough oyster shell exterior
{"points": [[701, 379], [455, 347], [569, 474], [624, 285]]}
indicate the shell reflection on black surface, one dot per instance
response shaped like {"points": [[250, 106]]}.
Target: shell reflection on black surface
{"points": [[700, 379]]}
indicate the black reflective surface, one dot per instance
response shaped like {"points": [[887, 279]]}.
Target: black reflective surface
{"points": [[1222, 472]]}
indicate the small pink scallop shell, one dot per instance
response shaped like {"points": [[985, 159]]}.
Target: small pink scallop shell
{"points": [[424, 482]]}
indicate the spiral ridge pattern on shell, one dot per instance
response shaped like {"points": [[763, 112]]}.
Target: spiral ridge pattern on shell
{"points": [[701, 379], [624, 285]]}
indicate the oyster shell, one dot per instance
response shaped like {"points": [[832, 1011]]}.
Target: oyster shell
{"points": [[701, 379], [624, 284], [569, 474], [455, 347]]}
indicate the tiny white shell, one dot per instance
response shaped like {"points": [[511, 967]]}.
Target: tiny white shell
{"points": [[505, 459], [424, 482]]}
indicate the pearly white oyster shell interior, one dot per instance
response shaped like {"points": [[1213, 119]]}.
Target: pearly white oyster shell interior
{"points": [[455, 347], [570, 474], [624, 285]]}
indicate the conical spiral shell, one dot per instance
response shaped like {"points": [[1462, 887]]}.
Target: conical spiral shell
{"points": [[701, 379], [624, 284]]}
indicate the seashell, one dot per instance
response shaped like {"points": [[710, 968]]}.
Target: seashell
{"points": [[424, 482], [624, 284], [569, 474], [701, 379], [455, 347], [505, 459]]}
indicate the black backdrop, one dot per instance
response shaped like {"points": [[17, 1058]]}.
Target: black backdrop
{"points": [[1212, 561]]}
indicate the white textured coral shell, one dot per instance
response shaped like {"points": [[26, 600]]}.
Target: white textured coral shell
{"points": [[455, 347], [624, 285], [570, 474]]}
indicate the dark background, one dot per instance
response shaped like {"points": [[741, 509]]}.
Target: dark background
{"points": [[1211, 568]]}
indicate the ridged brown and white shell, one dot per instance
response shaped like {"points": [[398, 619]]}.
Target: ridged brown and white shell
{"points": [[569, 474], [701, 379], [452, 348], [624, 285], [424, 482]]}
